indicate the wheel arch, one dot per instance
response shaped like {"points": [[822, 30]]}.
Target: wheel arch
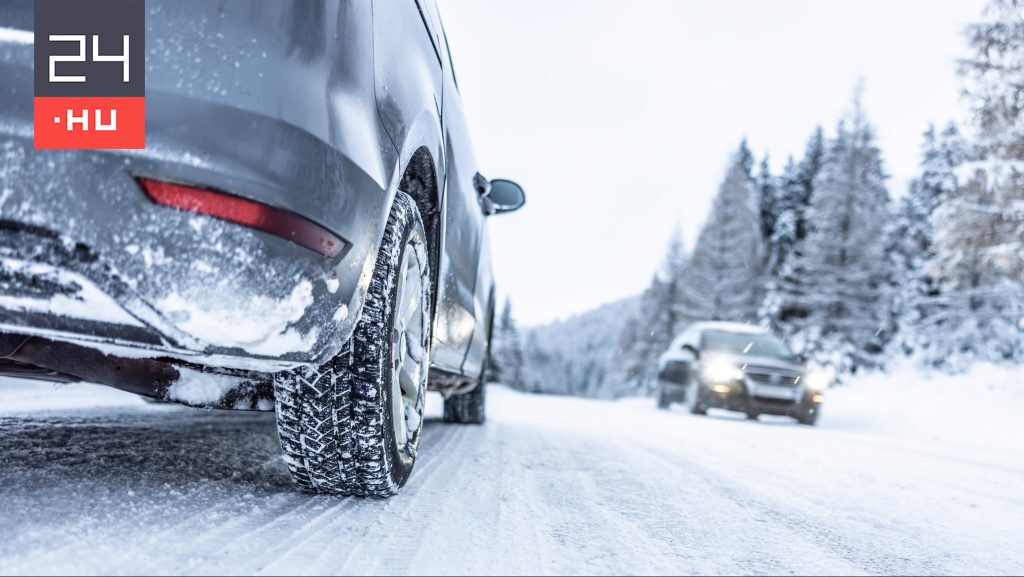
{"points": [[420, 180]]}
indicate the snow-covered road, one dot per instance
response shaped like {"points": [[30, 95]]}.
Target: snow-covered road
{"points": [[106, 484]]}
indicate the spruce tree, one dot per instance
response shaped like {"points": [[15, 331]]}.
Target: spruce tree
{"points": [[838, 275], [794, 192], [979, 253], [725, 280], [911, 246], [768, 200]]}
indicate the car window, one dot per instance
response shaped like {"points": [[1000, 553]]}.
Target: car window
{"points": [[761, 345]]}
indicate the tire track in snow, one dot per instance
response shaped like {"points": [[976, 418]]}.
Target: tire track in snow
{"points": [[243, 539], [581, 524], [819, 520], [549, 485], [90, 431], [387, 544], [298, 537], [664, 508]]}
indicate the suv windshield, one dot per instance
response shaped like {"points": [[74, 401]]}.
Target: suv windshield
{"points": [[758, 345]]}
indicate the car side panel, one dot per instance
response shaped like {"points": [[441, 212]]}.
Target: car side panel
{"points": [[413, 74], [468, 285]]}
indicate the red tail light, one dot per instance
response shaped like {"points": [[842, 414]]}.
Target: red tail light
{"points": [[245, 212]]}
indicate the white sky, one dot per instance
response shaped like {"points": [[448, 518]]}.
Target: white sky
{"points": [[618, 117]]}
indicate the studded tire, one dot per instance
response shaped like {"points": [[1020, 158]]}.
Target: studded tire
{"points": [[335, 420]]}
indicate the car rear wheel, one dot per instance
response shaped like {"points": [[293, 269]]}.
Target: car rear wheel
{"points": [[471, 408], [352, 426], [468, 408]]}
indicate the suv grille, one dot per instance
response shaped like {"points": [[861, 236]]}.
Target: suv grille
{"points": [[772, 376]]}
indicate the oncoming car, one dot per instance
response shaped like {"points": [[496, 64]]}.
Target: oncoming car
{"points": [[739, 368], [305, 231]]}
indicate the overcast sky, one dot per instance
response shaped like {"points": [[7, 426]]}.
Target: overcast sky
{"points": [[618, 117]]}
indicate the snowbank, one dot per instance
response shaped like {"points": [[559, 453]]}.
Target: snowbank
{"points": [[981, 407]]}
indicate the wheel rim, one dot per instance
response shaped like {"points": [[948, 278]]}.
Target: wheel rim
{"points": [[408, 352]]}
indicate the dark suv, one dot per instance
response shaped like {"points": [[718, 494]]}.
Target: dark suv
{"points": [[739, 368]]}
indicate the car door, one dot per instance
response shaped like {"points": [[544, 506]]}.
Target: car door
{"points": [[464, 282]]}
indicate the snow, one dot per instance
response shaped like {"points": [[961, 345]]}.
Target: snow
{"points": [[88, 302], [976, 410], [258, 325], [199, 388], [905, 475], [998, 171], [15, 36]]}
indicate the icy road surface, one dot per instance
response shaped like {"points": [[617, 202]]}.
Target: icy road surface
{"points": [[95, 481]]}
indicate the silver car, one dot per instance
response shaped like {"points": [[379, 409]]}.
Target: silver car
{"points": [[305, 231]]}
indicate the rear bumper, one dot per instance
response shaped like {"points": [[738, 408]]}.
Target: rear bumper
{"points": [[57, 289], [142, 280], [162, 282]]}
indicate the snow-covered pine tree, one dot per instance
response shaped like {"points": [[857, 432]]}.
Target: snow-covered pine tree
{"points": [[767, 199], [507, 360], [794, 190], [979, 232], [837, 276], [916, 298], [725, 275], [807, 176], [661, 316]]}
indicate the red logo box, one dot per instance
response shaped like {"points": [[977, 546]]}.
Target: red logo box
{"points": [[68, 122]]}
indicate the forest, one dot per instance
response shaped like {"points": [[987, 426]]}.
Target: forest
{"points": [[825, 255]]}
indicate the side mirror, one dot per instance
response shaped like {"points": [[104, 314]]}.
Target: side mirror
{"points": [[692, 350], [505, 196], [801, 358]]}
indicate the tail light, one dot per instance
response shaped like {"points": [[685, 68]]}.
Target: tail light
{"points": [[246, 212]]}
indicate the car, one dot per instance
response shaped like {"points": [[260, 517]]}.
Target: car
{"points": [[305, 231], [739, 367]]}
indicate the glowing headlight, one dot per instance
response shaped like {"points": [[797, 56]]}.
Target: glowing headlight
{"points": [[817, 379], [721, 370]]}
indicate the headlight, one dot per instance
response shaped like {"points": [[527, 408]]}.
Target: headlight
{"points": [[817, 379], [721, 371]]}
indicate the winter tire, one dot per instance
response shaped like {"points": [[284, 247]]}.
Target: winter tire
{"points": [[468, 408], [753, 415], [352, 426]]}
